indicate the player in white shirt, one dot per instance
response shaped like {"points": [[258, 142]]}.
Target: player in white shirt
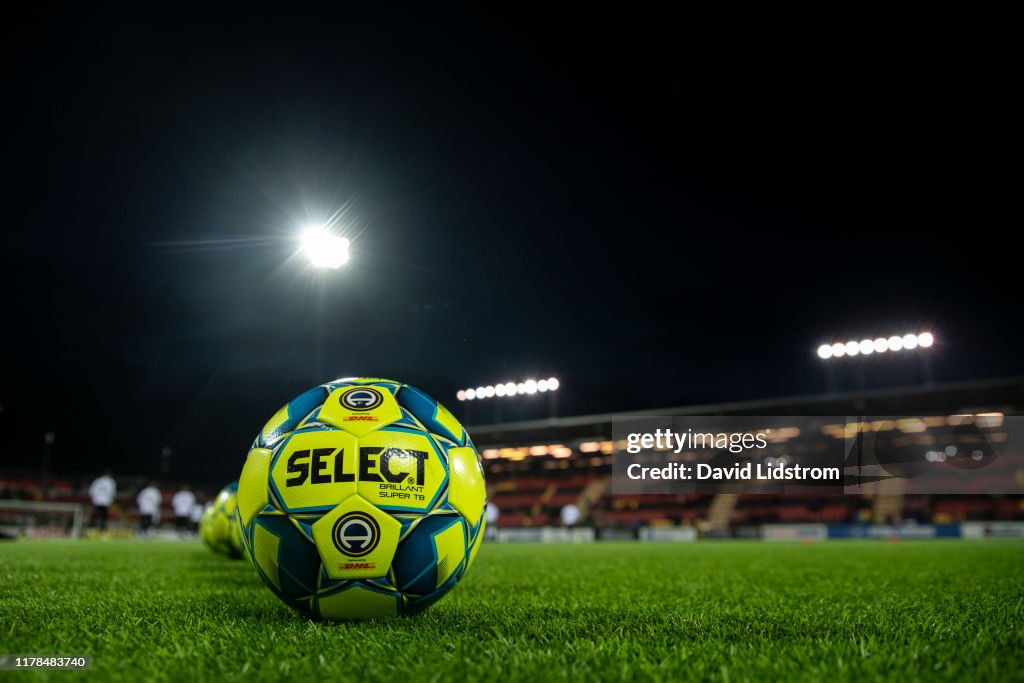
{"points": [[149, 506], [183, 502], [493, 512], [570, 516], [196, 515], [102, 492]]}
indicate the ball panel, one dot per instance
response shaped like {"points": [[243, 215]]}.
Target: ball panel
{"points": [[401, 470], [296, 560], [358, 602], [252, 484], [360, 409], [431, 414], [429, 554], [466, 490], [237, 546], [450, 546], [288, 417], [313, 469], [356, 540], [206, 527], [265, 546], [415, 605]]}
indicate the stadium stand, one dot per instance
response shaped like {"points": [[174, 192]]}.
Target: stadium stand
{"points": [[535, 467]]}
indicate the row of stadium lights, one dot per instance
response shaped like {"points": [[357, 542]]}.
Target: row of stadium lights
{"points": [[530, 386], [866, 347]]}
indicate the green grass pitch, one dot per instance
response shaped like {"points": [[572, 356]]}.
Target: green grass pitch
{"points": [[709, 611]]}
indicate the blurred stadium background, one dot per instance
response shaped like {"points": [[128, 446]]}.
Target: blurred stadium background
{"points": [[548, 479]]}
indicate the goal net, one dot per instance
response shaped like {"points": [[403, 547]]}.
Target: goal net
{"points": [[40, 519]]}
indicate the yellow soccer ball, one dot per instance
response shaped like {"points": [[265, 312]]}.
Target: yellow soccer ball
{"points": [[362, 498]]}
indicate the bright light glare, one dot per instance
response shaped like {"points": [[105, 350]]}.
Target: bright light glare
{"points": [[530, 386], [323, 248], [866, 347]]}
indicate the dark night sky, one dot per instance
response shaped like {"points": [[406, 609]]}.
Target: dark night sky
{"points": [[657, 210]]}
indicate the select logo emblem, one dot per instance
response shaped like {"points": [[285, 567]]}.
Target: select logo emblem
{"points": [[356, 534], [361, 398]]}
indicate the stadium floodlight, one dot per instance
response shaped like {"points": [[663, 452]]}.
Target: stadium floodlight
{"points": [[509, 389], [866, 347], [323, 248]]}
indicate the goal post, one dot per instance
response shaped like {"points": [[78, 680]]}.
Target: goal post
{"points": [[41, 519]]}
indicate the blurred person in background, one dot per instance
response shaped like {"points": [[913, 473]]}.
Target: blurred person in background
{"points": [[102, 492], [183, 502], [196, 515], [149, 507], [570, 516], [493, 512]]}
